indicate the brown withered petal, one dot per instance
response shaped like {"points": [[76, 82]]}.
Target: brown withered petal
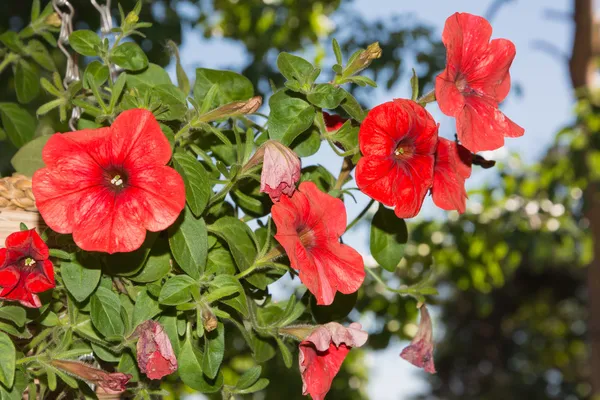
{"points": [[111, 383], [420, 351], [155, 354]]}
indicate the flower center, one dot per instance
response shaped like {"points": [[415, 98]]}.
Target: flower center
{"points": [[307, 236], [404, 151], [116, 179], [29, 262]]}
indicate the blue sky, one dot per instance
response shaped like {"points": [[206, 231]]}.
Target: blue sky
{"points": [[543, 108]]}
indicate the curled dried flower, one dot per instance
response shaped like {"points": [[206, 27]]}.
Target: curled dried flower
{"points": [[111, 383]]}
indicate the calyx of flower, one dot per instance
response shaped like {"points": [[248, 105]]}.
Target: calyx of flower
{"points": [[233, 109]]}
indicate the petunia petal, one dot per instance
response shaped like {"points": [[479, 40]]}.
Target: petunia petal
{"points": [[449, 98], [380, 132], [319, 368], [138, 141], [412, 183], [481, 126], [41, 279], [452, 167], [9, 276], [465, 36], [376, 177], [490, 76]]}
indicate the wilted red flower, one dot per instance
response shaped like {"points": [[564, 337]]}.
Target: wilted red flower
{"points": [[110, 383], [108, 186], [475, 80], [333, 122], [452, 167], [309, 226], [398, 141], [25, 269], [420, 351], [322, 354], [155, 354]]}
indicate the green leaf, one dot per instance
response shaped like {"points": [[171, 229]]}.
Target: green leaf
{"points": [[129, 56], [307, 143], [28, 158], [347, 136], [388, 237], [285, 352], [231, 86], [338, 52], [128, 264], [223, 286], [249, 377], [35, 10], [80, 280], [105, 312], [11, 40], [36, 50], [157, 266], [197, 182], [257, 387], [295, 68], [353, 108], [173, 99], [177, 290], [8, 356], [14, 314], [145, 308], [18, 123], [247, 195], [214, 349], [95, 72], [85, 42], [105, 354], [240, 240], [325, 95], [16, 392], [152, 76], [27, 81], [188, 240], [190, 370], [290, 116]]}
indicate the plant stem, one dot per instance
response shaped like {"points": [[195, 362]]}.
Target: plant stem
{"points": [[428, 97], [360, 215], [7, 61], [347, 167]]}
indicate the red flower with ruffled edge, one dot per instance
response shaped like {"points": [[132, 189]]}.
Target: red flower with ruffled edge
{"points": [[309, 226], [333, 122], [398, 141], [452, 168], [108, 186], [25, 269], [475, 80], [322, 354]]}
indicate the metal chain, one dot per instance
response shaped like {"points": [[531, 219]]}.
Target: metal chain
{"points": [[105, 17], [66, 12]]}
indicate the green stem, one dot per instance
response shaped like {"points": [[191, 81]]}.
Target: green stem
{"points": [[360, 215], [10, 58], [428, 97], [26, 360], [261, 265], [221, 193], [347, 167]]}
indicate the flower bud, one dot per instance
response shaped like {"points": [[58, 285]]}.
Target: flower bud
{"points": [[132, 18], [233, 109], [364, 59], [110, 383], [420, 351], [209, 320], [53, 20], [155, 354]]}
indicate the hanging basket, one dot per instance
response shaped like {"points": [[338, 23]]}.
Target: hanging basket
{"points": [[17, 205]]}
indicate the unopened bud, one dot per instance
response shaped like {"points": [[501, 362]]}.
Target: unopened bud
{"points": [[233, 109], [53, 20], [209, 319], [132, 18], [364, 59]]}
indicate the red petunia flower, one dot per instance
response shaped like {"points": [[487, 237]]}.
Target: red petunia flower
{"points": [[452, 168], [309, 226], [333, 122], [322, 354], [475, 80], [25, 269], [155, 354], [398, 141], [108, 186], [420, 351]]}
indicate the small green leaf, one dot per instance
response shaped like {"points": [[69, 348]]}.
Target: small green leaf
{"points": [[36, 50], [129, 56], [157, 265], [325, 95], [152, 76], [223, 286], [353, 108], [214, 349], [18, 123], [231, 86], [285, 352], [27, 81], [295, 68], [290, 116], [188, 240], [177, 290], [14, 314], [197, 182], [190, 370], [257, 387], [388, 237], [338, 52], [145, 308], [249, 377], [85, 42], [105, 312], [96, 72], [8, 356], [81, 280], [28, 158]]}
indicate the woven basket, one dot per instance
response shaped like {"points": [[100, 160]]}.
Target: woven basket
{"points": [[17, 205]]}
